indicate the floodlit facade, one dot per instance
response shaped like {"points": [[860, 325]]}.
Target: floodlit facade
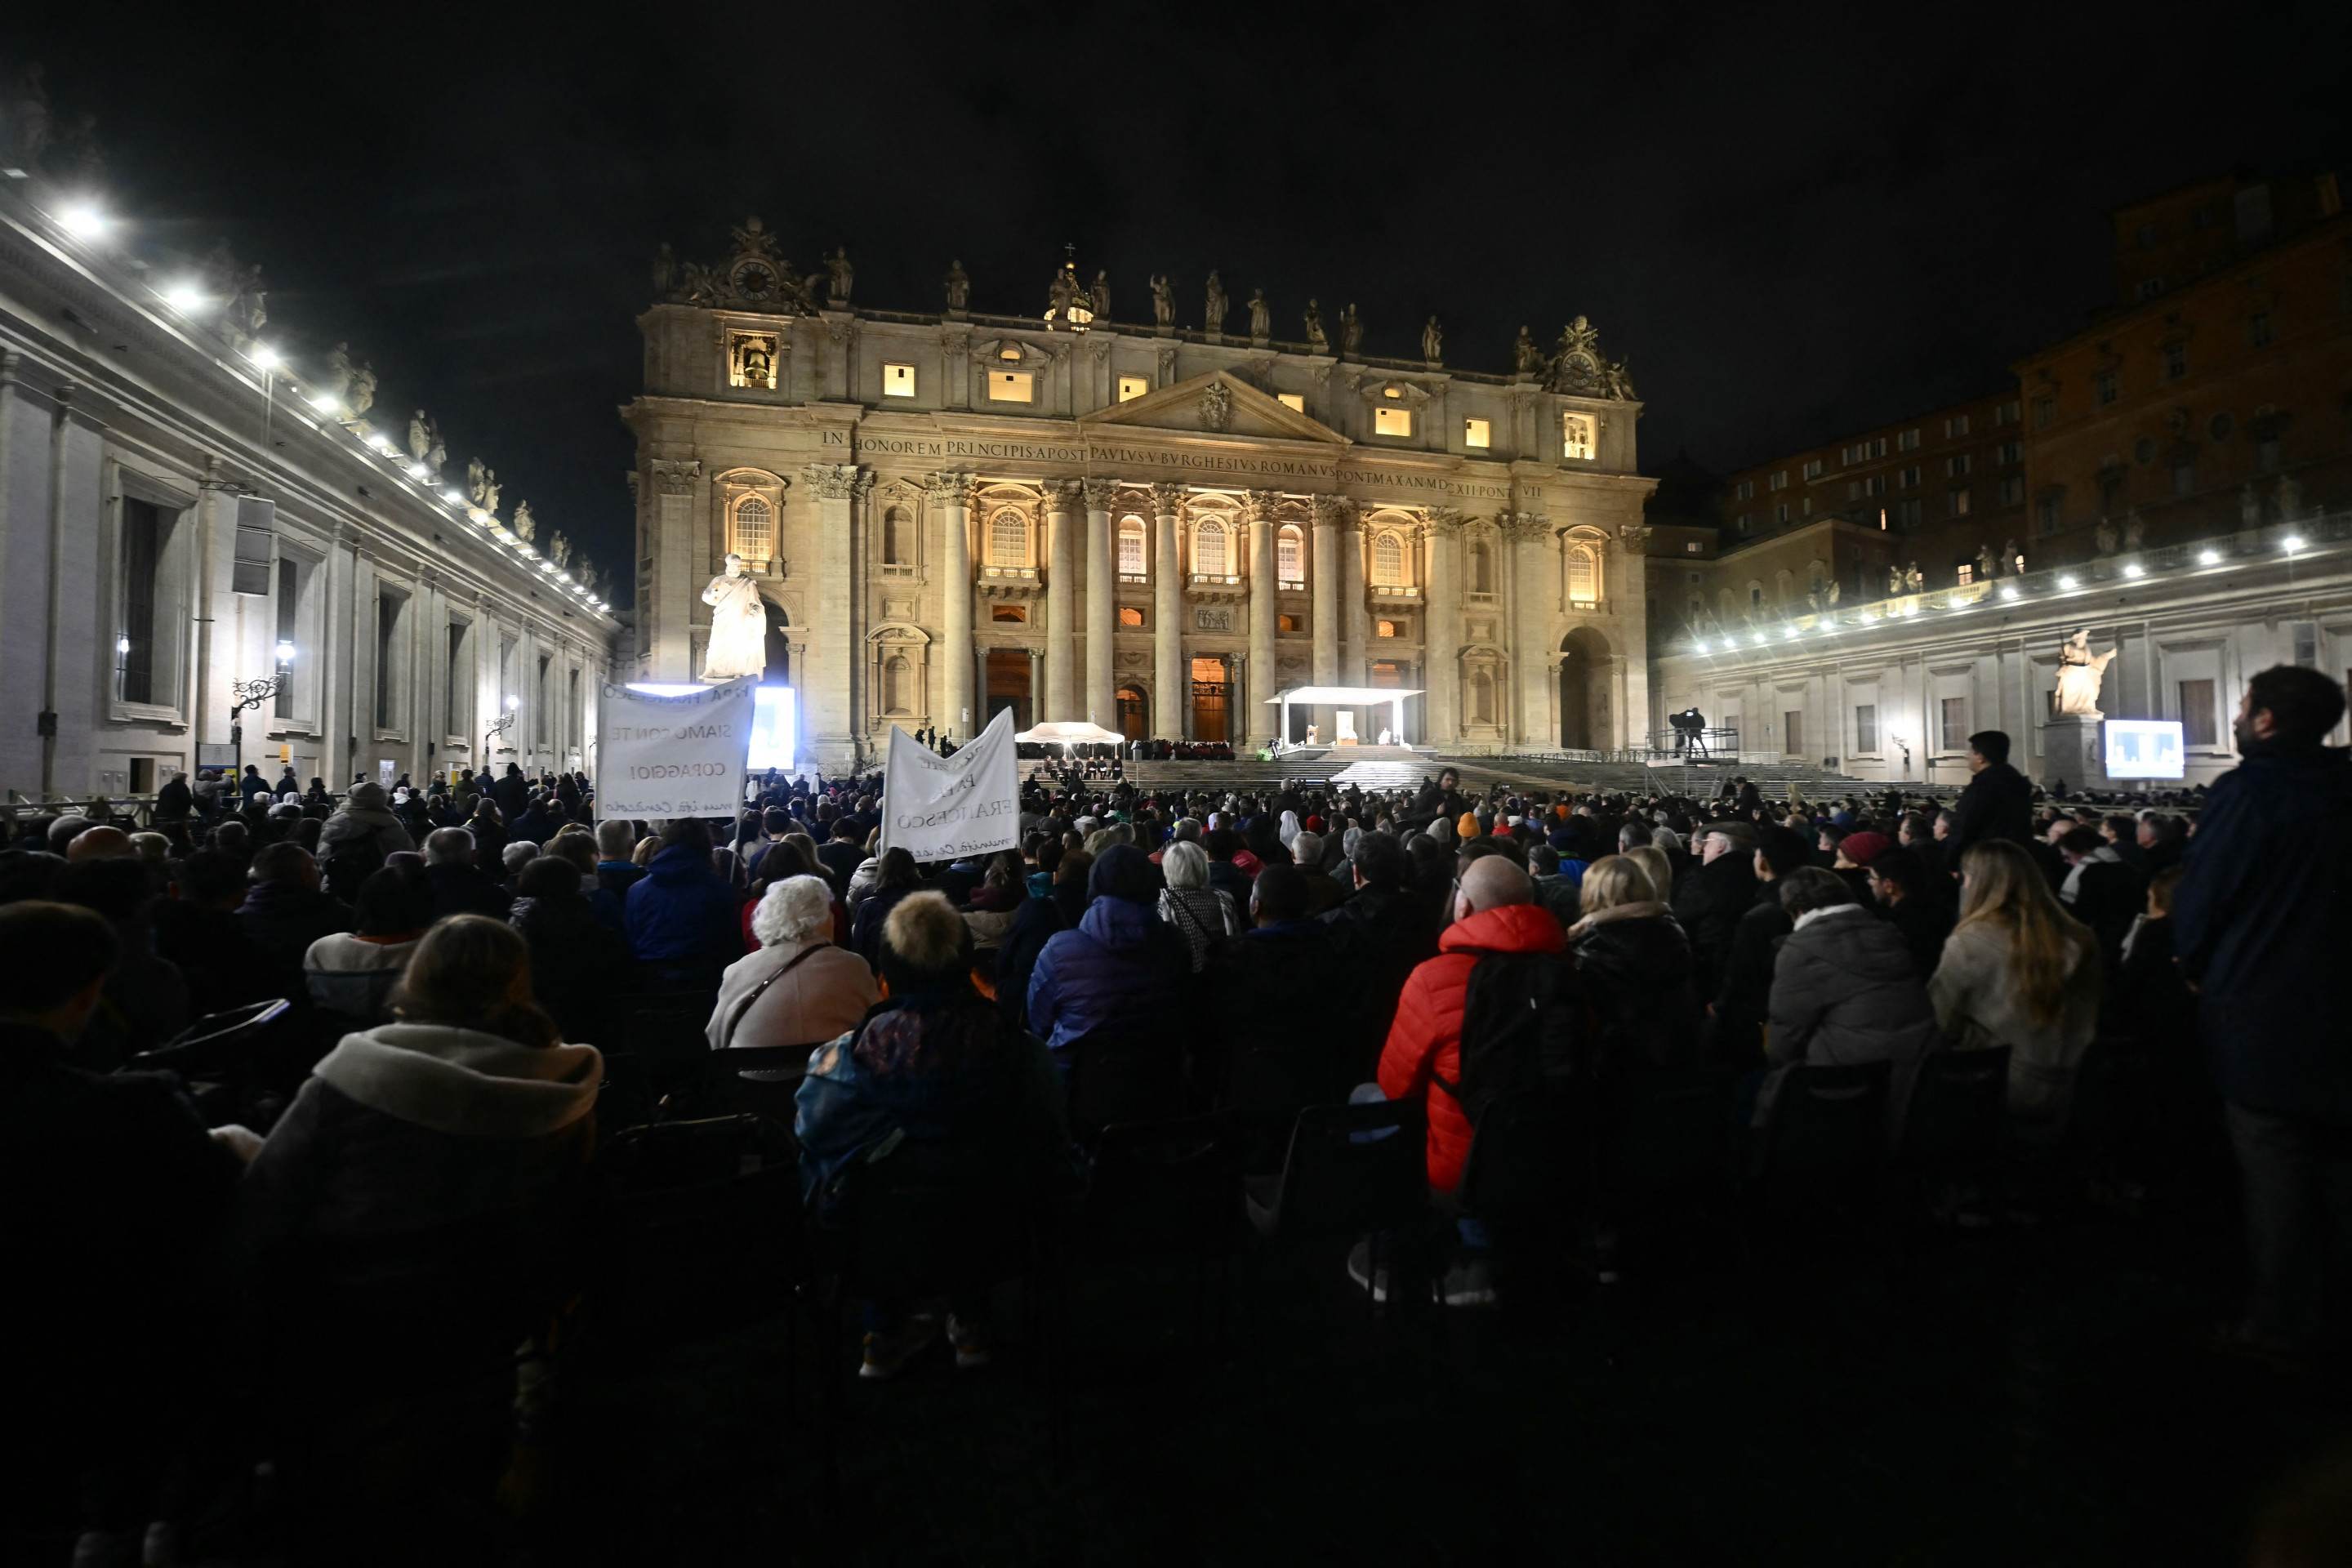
{"points": [[1150, 526]]}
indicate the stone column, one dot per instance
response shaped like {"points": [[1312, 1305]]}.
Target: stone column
{"points": [[1255, 716], [1102, 604], [675, 593], [1169, 688], [954, 494], [1355, 619], [1325, 666], [1060, 695], [1441, 628], [1534, 659], [828, 689]]}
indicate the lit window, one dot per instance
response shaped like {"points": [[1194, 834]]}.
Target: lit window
{"points": [[1286, 622], [898, 381], [1288, 565], [1392, 392], [1209, 550], [1576, 436], [1384, 629], [752, 361], [1961, 503], [1476, 432], [1009, 386], [1008, 540], [894, 530], [1130, 547], [1009, 354], [1583, 576], [755, 529], [1132, 387], [1293, 400], [1129, 615], [1013, 612], [1391, 421], [1388, 561]]}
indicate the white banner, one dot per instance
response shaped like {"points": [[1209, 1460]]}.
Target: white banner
{"points": [[943, 808], [673, 756]]}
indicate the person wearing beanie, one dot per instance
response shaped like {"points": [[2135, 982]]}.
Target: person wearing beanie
{"points": [[934, 1083], [1856, 851], [1122, 971], [1466, 827]]}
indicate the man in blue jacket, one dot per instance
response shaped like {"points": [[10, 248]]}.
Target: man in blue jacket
{"points": [[2263, 920], [1121, 971], [684, 922]]}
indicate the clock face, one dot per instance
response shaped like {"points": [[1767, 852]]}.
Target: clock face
{"points": [[755, 280]]}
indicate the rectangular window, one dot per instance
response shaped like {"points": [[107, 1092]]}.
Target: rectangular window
{"points": [[2267, 454], [1874, 485], [1956, 723], [1865, 726], [898, 381], [1011, 386], [1387, 421], [2149, 288], [1132, 387], [1780, 478], [2303, 637], [1907, 513], [1813, 467], [2196, 726], [1576, 435], [387, 625], [2006, 413], [1908, 476], [143, 533], [1909, 441], [1295, 401], [1780, 512], [1477, 435], [2008, 452], [1960, 464], [1792, 732], [2258, 330], [1960, 500], [1807, 506], [539, 704], [1747, 522], [1958, 425], [2184, 479], [1746, 489], [2046, 511], [2012, 489], [2045, 409], [2104, 387], [2176, 361], [289, 602], [454, 684]]}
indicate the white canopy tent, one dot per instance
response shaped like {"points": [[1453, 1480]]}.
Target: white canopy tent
{"points": [[1343, 697], [1071, 733]]}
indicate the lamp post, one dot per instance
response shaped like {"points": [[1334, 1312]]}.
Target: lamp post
{"points": [[252, 694], [506, 722]]}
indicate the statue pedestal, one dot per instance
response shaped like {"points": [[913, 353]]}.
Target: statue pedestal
{"points": [[2072, 749]]}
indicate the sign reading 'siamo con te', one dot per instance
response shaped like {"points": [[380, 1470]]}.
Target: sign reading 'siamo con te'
{"points": [[659, 757]]}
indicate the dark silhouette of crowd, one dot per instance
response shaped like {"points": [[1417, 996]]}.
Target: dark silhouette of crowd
{"points": [[333, 1097]]}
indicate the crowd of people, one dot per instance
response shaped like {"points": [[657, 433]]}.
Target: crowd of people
{"points": [[454, 956]]}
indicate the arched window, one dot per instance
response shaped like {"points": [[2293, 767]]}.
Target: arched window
{"points": [[1388, 561], [754, 537], [1482, 696], [1583, 576], [894, 537], [1129, 615], [1008, 539], [898, 684], [1209, 550], [1289, 554], [1482, 567], [1130, 547]]}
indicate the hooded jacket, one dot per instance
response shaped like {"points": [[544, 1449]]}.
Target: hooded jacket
{"points": [[683, 912], [2262, 919], [1123, 968], [1426, 1035], [365, 819], [408, 1127], [1633, 965], [1845, 992]]}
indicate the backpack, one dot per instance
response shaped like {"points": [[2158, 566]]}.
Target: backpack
{"points": [[1522, 1028]]}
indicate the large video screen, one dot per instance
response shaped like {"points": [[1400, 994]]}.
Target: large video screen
{"points": [[773, 709], [2144, 749]]}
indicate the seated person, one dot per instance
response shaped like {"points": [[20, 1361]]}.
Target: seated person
{"points": [[351, 974], [798, 989]]}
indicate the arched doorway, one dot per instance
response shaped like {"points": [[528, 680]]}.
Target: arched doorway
{"points": [[1008, 685], [1586, 721], [1134, 712], [778, 671], [1210, 690]]}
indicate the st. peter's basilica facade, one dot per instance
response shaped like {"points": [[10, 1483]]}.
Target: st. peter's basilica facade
{"points": [[1150, 526]]}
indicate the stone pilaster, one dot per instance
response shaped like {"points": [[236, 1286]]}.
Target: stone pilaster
{"points": [[1355, 616], [674, 589], [954, 495], [829, 704], [1169, 687], [1061, 694], [1102, 604], [1533, 658], [1253, 718], [1325, 626], [1441, 630]]}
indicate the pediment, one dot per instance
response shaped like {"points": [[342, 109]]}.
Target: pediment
{"points": [[1193, 407]]}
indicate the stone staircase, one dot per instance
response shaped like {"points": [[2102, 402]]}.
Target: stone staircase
{"points": [[1399, 767]]}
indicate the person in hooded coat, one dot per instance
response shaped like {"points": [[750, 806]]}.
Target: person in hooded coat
{"points": [[681, 918], [357, 839], [1843, 988], [1122, 969]]}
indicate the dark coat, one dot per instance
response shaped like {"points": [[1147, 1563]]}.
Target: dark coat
{"points": [[1843, 992], [1637, 977], [1708, 905], [683, 913], [578, 964], [1123, 968], [1380, 934], [1996, 804], [1746, 985], [282, 920], [865, 925], [1272, 993], [2263, 920], [1922, 923], [512, 791], [467, 890]]}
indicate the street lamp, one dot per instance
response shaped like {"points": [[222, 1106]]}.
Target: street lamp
{"points": [[500, 728], [251, 695]]}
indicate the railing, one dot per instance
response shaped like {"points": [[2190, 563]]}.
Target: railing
{"points": [[2293, 541], [1714, 744]]}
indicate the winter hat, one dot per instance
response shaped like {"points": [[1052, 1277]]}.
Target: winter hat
{"points": [[1466, 825], [1742, 835], [1121, 871], [1864, 847]]}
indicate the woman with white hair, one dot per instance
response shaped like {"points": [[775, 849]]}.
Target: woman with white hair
{"points": [[798, 989], [1200, 913]]}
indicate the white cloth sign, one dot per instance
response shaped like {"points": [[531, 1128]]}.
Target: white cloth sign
{"points": [[944, 808], [673, 756]]}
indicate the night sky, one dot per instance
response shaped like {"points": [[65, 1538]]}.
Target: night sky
{"points": [[1789, 226]]}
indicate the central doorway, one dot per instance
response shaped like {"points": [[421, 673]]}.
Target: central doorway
{"points": [[1008, 686], [1134, 714], [1584, 716], [1209, 692]]}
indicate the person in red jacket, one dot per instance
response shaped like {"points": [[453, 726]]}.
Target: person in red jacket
{"points": [[1493, 912]]}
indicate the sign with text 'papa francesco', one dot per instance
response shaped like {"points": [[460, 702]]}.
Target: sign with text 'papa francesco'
{"points": [[943, 808], [661, 757]]}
